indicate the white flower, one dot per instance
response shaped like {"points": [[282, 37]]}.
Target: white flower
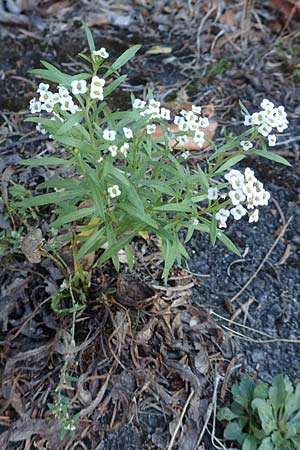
{"points": [[63, 92], [66, 103], [195, 221], [35, 106], [42, 87], [248, 120], [212, 193], [127, 132], [113, 149], [97, 82], [45, 96], [196, 109], [265, 198], [199, 138], [272, 140], [253, 217], [182, 140], [238, 212], [97, 94], [114, 191], [150, 128], [222, 216], [185, 155], [138, 104], [204, 122], [48, 106], [249, 176], [56, 98], [191, 117], [165, 113], [102, 53], [258, 118], [109, 135], [237, 196], [265, 129], [153, 109], [124, 149], [266, 104], [246, 145], [79, 87], [232, 173]]}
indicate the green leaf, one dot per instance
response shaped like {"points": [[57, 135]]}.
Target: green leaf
{"points": [[89, 37], [278, 393], [112, 86], [93, 242], [97, 190], [73, 216], [227, 414], [266, 444], [170, 254], [292, 404], [201, 176], [272, 156], [213, 230], [51, 161], [230, 145], [126, 56], [233, 432], [175, 207], [265, 413], [119, 245], [232, 161], [47, 199], [261, 390], [69, 124], [244, 109], [243, 392], [228, 243], [139, 216], [249, 443]]}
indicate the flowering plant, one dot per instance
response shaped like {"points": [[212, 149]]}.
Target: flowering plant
{"points": [[129, 182]]}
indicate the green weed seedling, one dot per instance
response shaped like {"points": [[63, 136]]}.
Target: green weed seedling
{"points": [[264, 417]]}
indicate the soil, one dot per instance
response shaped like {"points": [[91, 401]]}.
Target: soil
{"points": [[154, 388]]}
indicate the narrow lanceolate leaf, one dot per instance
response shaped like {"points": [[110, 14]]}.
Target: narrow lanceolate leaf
{"points": [[89, 37], [51, 161], [213, 230], [47, 199], [68, 124], [93, 242], [175, 207], [272, 156], [228, 243], [73, 216], [112, 86], [119, 245], [126, 56], [229, 163]]}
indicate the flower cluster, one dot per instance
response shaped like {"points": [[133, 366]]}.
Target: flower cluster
{"points": [[192, 121], [246, 194], [267, 119], [187, 122], [48, 99]]}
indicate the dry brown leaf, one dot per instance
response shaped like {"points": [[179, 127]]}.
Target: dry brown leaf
{"points": [[229, 18], [31, 244]]}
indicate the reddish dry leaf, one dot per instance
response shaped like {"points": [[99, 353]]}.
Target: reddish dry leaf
{"points": [[287, 7]]}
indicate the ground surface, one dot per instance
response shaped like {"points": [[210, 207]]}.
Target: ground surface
{"points": [[208, 53]]}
